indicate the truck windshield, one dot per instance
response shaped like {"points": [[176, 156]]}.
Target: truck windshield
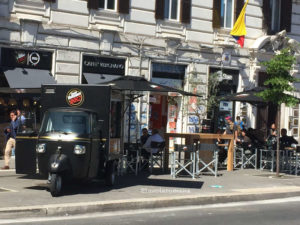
{"points": [[66, 123]]}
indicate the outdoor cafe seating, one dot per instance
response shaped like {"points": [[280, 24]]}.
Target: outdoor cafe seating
{"points": [[210, 166], [245, 156], [156, 158], [183, 158]]}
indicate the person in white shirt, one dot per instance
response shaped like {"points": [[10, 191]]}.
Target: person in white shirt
{"points": [[155, 137]]}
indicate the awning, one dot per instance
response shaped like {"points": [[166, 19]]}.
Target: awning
{"points": [[138, 85], [22, 78], [93, 78]]}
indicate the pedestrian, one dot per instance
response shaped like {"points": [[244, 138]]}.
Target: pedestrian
{"points": [[230, 126], [271, 140], [21, 117], [239, 122], [11, 133], [286, 141]]}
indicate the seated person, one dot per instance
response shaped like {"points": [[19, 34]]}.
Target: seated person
{"points": [[243, 140], [286, 141], [143, 139], [155, 137], [144, 136]]}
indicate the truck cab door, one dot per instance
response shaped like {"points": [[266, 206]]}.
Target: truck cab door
{"points": [[25, 153]]}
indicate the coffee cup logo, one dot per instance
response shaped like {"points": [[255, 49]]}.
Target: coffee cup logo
{"points": [[75, 97]]}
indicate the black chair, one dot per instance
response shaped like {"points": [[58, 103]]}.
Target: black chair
{"points": [[132, 157], [156, 158]]}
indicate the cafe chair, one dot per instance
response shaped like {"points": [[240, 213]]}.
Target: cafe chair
{"points": [[293, 160], [187, 163], [131, 158], [211, 166], [157, 158], [245, 156], [267, 159]]}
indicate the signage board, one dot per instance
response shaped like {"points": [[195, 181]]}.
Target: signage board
{"points": [[102, 65], [26, 58]]}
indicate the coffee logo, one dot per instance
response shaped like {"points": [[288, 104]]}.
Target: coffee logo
{"points": [[75, 97]]}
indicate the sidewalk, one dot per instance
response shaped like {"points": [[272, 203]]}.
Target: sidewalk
{"points": [[27, 196]]}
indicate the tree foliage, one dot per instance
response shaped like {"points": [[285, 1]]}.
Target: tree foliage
{"points": [[280, 80]]}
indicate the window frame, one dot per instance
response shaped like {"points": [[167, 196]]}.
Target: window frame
{"points": [[170, 11], [223, 25], [105, 6]]}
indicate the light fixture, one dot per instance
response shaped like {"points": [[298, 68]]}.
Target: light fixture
{"points": [[2, 102], [26, 103], [12, 102]]}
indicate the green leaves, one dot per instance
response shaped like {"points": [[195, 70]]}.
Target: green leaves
{"points": [[280, 80]]}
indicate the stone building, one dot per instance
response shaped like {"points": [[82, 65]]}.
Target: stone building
{"points": [[174, 42]]}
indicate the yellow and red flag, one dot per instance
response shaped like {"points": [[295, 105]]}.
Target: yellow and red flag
{"points": [[239, 29]]}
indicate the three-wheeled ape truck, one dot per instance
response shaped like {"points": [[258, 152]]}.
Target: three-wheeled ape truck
{"points": [[79, 137]]}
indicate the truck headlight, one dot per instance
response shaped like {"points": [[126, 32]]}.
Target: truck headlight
{"points": [[40, 148], [79, 149]]}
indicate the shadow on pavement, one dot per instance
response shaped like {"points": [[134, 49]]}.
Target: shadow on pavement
{"points": [[143, 179]]}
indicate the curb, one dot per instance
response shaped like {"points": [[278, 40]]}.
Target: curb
{"points": [[132, 204]]}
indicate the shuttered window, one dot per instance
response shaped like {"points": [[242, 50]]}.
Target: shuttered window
{"points": [[217, 14], [185, 16], [277, 15], [159, 9], [123, 6], [93, 4]]}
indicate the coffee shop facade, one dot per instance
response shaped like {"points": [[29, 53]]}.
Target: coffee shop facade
{"points": [[79, 41]]}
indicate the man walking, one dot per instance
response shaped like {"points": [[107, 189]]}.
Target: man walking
{"points": [[11, 140]]}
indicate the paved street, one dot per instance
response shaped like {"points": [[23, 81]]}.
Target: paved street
{"points": [[275, 212]]}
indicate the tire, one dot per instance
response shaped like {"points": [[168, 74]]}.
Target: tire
{"points": [[110, 173], [55, 184]]}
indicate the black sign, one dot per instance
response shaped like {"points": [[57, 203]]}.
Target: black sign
{"points": [[26, 58], [100, 65]]}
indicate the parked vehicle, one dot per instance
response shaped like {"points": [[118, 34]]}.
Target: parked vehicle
{"points": [[79, 138]]}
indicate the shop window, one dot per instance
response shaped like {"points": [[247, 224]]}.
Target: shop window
{"points": [[177, 10], [225, 12], [277, 15], [168, 74]]}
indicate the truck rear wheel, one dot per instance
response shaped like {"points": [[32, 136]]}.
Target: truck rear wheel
{"points": [[55, 184], [110, 173]]}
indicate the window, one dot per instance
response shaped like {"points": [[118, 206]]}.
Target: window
{"points": [[121, 6], [227, 13], [171, 10], [107, 4], [277, 15], [179, 10]]}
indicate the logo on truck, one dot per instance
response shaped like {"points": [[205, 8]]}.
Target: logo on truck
{"points": [[75, 97]]}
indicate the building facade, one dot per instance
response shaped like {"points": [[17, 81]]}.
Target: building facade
{"points": [[173, 42]]}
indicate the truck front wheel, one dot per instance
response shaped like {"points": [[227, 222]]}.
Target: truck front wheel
{"points": [[55, 184], [110, 173]]}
